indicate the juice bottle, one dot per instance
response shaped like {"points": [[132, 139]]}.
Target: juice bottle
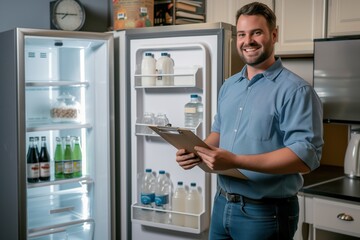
{"points": [[68, 163]]}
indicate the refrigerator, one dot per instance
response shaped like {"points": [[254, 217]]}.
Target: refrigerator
{"points": [[204, 55], [42, 71]]}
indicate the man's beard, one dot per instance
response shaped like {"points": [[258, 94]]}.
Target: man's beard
{"points": [[257, 60]]}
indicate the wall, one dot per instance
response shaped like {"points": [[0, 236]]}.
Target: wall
{"points": [[36, 14]]}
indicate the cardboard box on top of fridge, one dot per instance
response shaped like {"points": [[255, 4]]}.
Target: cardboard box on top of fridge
{"points": [[133, 14]]}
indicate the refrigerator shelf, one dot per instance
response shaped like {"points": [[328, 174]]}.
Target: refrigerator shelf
{"points": [[200, 219], [183, 77], [56, 84], [57, 126], [82, 229], [81, 180]]}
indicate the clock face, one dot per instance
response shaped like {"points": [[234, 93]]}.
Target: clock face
{"points": [[68, 15]]}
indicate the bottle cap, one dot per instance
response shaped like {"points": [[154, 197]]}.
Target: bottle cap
{"points": [[148, 170], [180, 183], [193, 96], [162, 172], [193, 184], [164, 54], [148, 54]]}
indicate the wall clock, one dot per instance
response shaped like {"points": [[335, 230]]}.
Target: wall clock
{"points": [[67, 15]]}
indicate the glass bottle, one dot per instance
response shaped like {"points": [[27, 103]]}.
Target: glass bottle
{"points": [[58, 159], [77, 158], [68, 163], [32, 163], [44, 160]]}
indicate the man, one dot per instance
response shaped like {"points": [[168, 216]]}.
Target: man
{"points": [[269, 126]]}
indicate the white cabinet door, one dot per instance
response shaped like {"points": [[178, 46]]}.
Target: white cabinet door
{"points": [[225, 11], [343, 18], [299, 22]]}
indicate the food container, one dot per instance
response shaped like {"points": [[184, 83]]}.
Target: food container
{"points": [[65, 109]]}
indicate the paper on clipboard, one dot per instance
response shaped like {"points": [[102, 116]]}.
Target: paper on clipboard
{"points": [[182, 138]]}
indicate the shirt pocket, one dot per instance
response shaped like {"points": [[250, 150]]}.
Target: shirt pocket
{"points": [[260, 125]]}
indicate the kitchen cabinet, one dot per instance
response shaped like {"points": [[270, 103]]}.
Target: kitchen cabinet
{"points": [[299, 22], [331, 210], [343, 18], [225, 11]]}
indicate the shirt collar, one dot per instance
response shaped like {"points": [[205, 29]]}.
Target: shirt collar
{"points": [[270, 74]]}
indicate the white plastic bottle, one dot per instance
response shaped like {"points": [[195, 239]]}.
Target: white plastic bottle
{"points": [[190, 111], [178, 204], [193, 205], [148, 67], [165, 65], [147, 194], [163, 188]]}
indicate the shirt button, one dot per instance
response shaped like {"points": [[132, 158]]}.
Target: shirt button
{"points": [[235, 130], [240, 108]]}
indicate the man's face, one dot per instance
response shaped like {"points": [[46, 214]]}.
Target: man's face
{"points": [[255, 42]]}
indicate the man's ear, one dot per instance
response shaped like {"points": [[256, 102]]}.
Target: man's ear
{"points": [[275, 34]]}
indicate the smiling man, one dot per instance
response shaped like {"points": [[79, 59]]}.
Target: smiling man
{"points": [[269, 126]]}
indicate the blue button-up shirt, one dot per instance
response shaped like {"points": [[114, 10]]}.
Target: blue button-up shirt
{"points": [[275, 109]]}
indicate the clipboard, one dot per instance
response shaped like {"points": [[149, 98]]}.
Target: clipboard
{"points": [[182, 138]]}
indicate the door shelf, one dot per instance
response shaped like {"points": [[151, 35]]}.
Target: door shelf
{"points": [[81, 229], [201, 220], [183, 77]]}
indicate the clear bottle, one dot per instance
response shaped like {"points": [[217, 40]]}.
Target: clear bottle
{"points": [[148, 67], [58, 159], [76, 157], [161, 119], [178, 204], [32, 163], [190, 110], [193, 205], [44, 160], [165, 65], [147, 194], [68, 163], [163, 189], [200, 110]]}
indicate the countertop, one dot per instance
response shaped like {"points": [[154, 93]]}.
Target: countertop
{"points": [[330, 181]]}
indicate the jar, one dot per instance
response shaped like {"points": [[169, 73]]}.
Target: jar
{"points": [[65, 109]]}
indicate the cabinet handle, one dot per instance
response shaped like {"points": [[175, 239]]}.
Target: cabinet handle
{"points": [[345, 217]]}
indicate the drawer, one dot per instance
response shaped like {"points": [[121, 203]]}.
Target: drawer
{"points": [[57, 206], [327, 216]]}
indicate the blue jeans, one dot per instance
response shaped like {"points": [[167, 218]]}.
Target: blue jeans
{"points": [[248, 221]]}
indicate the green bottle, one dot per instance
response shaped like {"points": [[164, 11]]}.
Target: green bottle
{"points": [[58, 159], [68, 163], [77, 158]]}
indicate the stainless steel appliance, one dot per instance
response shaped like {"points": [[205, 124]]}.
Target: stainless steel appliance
{"points": [[204, 55], [337, 82], [37, 68]]}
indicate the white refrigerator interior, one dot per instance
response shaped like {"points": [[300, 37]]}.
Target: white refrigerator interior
{"points": [[198, 69], [66, 79]]}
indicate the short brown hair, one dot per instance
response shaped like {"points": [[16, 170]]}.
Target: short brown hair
{"points": [[257, 8]]}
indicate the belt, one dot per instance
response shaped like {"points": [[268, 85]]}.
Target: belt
{"points": [[234, 198]]}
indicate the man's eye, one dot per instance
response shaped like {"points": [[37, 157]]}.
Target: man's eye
{"points": [[241, 35], [257, 33]]}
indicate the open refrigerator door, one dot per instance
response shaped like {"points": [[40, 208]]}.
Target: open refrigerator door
{"points": [[203, 56], [65, 81]]}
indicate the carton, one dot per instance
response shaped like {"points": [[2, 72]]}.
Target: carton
{"points": [[133, 14]]}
